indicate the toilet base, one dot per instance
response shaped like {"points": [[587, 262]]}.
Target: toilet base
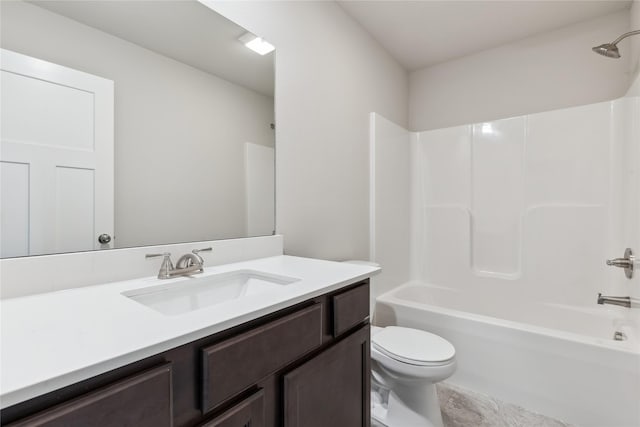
{"points": [[406, 406]]}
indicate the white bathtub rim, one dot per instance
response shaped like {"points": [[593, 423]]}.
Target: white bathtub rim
{"points": [[630, 346]]}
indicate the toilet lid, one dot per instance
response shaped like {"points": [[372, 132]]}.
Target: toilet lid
{"points": [[413, 346]]}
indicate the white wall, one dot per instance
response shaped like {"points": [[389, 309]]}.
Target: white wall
{"points": [[629, 227], [329, 75], [634, 89], [260, 182], [180, 132], [390, 219], [635, 40], [545, 72], [634, 43]]}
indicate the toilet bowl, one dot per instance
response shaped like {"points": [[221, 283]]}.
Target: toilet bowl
{"points": [[405, 365]]}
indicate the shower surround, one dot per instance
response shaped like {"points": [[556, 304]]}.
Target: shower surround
{"points": [[530, 206], [510, 225]]}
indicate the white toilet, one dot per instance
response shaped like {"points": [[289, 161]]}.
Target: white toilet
{"points": [[405, 365]]}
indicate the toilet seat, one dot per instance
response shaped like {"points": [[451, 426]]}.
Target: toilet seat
{"points": [[413, 346]]}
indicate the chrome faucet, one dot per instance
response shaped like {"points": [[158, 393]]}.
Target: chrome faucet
{"points": [[621, 301], [187, 264], [627, 262]]}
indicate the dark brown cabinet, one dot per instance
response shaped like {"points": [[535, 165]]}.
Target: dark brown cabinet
{"points": [[332, 389], [235, 364], [349, 308], [304, 366], [142, 400], [248, 413]]}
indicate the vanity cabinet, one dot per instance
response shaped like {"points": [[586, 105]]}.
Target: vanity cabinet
{"points": [[235, 364], [304, 366], [248, 413], [142, 400], [332, 389]]}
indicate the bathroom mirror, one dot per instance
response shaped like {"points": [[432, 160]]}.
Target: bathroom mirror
{"points": [[186, 106]]}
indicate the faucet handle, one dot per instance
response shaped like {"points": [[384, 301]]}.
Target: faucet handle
{"points": [[164, 254], [195, 251], [627, 262], [620, 262], [167, 265]]}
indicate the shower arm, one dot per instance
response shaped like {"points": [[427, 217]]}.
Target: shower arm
{"points": [[624, 36]]}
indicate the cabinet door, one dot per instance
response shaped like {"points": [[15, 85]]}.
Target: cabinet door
{"points": [[333, 388], [248, 413], [143, 400]]}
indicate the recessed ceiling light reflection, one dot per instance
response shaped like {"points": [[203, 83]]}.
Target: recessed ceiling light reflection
{"points": [[256, 44]]}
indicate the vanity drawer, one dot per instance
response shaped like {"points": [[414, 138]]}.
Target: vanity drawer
{"points": [[248, 413], [142, 400], [233, 365], [350, 308]]}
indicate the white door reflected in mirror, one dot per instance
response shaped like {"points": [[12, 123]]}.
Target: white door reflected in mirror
{"points": [[56, 157]]}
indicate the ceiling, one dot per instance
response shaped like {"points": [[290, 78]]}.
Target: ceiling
{"points": [[183, 30], [419, 34]]}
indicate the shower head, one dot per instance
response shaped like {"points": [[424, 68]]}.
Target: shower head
{"points": [[610, 50]]}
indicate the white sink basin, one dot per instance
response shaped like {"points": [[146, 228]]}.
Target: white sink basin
{"points": [[195, 293]]}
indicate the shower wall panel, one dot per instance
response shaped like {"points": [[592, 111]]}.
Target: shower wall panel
{"points": [[497, 197], [390, 194], [530, 205]]}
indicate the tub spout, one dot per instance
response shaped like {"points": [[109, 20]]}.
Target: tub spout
{"points": [[621, 301]]}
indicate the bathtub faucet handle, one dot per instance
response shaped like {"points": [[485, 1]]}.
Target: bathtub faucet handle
{"points": [[627, 262], [619, 262]]}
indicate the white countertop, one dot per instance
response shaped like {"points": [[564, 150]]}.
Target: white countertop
{"points": [[52, 340]]}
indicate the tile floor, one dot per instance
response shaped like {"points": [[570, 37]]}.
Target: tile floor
{"points": [[465, 408]]}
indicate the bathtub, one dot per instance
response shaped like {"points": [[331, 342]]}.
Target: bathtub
{"points": [[560, 361]]}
